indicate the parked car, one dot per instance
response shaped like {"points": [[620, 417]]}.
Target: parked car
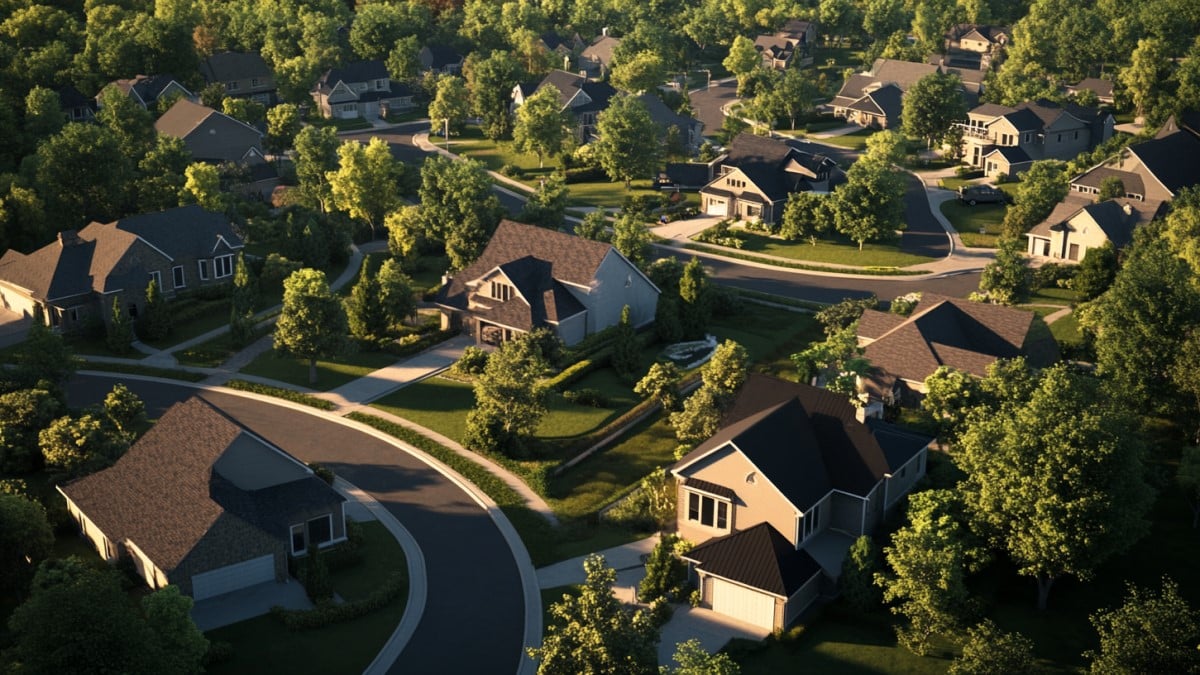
{"points": [[982, 194]]}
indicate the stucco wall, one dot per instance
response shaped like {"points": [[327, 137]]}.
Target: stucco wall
{"points": [[756, 502]]}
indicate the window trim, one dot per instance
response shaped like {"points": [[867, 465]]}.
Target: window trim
{"points": [[156, 277], [328, 517], [220, 262], [719, 512], [178, 277], [303, 538]]}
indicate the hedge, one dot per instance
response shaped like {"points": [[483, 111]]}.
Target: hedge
{"points": [[326, 613], [589, 174], [777, 299], [280, 392], [402, 348], [580, 368]]}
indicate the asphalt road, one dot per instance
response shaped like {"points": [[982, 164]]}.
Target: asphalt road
{"points": [[474, 617]]}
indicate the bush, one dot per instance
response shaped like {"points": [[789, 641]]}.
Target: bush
{"points": [[643, 203], [218, 652], [322, 472], [279, 392], [1054, 275], [589, 174], [512, 171], [580, 368], [327, 613], [414, 344], [588, 397], [472, 361], [665, 573], [314, 574]]}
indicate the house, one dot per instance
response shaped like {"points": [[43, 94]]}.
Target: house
{"points": [[596, 59], [791, 44], [360, 89], [688, 130], [861, 101], [775, 498], [1103, 89], [75, 278], [216, 138], [1007, 140], [977, 38], [1078, 225], [76, 106], [442, 59], [559, 45], [1153, 171], [804, 32], [529, 277], [203, 503], [753, 179], [943, 331], [583, 98], [145, 90], [244, 75]]}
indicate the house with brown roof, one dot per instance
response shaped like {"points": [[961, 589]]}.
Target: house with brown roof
{"points": [[578, 95], [203, 503], [875, 98], [75, 278], [596, 59], [774, 499], [360, 89], [753, 179], [1078, 224], [1007, 140], [530, 277], [944, 331], [243, 74], [211, 136]]}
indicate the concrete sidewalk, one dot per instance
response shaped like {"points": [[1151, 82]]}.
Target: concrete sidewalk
{"points": [[621, 558], [404, 372]]}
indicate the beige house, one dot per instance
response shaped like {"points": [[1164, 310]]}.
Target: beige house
{"points": [[205, 504], [1078, 225], [1007, 140], [753, 179], [775, 498], [530, 277], [977, 38]]}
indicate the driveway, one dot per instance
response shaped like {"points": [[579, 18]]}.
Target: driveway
{"points": [[13, 327], [474, 619], [924, 235]]}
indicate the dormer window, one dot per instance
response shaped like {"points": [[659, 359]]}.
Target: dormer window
{"points": [[500, 291], [381, 85]]}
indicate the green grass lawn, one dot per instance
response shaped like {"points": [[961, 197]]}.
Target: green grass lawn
{"points": [[495, 154], [855, 140], [1066, 330], [330, 374], [265, 645], [607, 194], [839, 251], [770, 335], [1052, 295], [979, 225], [435, 403]]}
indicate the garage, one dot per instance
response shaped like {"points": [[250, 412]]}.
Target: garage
{"points": [[233, 577], [16, 302], [743, 604], [717, 207]]}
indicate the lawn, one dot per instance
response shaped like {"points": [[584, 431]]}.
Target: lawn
{"points": [[1066, 331], [1052, 295], [838, 251], [609, 194], [979, 225], [265, 645], [330, 374], [855, 140], [770, 335], [496, 154], [436, 403]]}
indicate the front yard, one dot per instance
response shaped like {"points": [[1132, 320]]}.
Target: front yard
{"points": [[833, 250], [978, 226]]}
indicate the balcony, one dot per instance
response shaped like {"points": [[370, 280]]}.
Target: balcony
{"points": [[977, 133]]}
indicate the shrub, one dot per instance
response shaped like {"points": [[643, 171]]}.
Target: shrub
{"points": [[589, 174], [588, 397], [413, 344], [665, 573], [218, 652], [580, 368], [279, 392], [643, 203], [315, 576], [472, 361], [905, 304], [326, 613], [1054, 275], [322, 472], [512, 171]]}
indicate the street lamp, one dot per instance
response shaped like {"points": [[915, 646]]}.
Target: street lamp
{"points": [[446, 131]]}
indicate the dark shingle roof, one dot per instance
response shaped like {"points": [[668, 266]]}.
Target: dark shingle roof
{"points": [[885, 101], [903, 74], [1012, 154], [899, 445], [1173, 159], [1024, 119], [601, 50], [147, 87], [1102, 88], [230, 66], [355, 71], [1132, 181], [763, 161], [687, 174], [852, 89], [759, 557], [710, 488], [166, 495], [443, 55]]}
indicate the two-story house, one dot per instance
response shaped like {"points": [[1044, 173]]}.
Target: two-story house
{"points": [[530, 277], [441, 59], [596, 59], [76, 277], [791, 44], [776, 497], [360, 89], [216, 138], [1006, 140], [583, 98], [145, 90], [243, 74], [753, 179]]}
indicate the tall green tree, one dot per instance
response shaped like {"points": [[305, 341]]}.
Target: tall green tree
{"points": [[396, 293], [25, 540], [44, 356], [594, 226], [23, 414], [857, 582], [629, 146], [73, 196], [118, 334], [130, 123], [743, 58], [377, 26], [312, 324], [1006, 279], [870, 205], [77, 446], [161, 176], [643, 71], [547, 207], [510, 398], [366, 183], [695, 308], [124, 410], [243, 302], [202, 185], [459, 207], [795, 93], [661, 383], [1151, 633], [180, 647], [626, 347], [721, 377], [541, 127], [364, 307], [451, 104], [932, 106], [1042, 186], [1057, 481], [154, 323], [316, 157], [951, 396], [594, 633], [43, 113], [283, 123], [1144, 78], [1096, 272], [490, 81]]}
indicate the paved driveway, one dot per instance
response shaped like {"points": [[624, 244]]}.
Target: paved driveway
{"points": [[924, 235], [13, 327], [474, 618]]}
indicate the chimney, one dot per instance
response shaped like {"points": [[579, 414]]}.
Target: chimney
{"points": [[68, 238]]}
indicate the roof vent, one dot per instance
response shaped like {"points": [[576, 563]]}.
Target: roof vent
{"points": [[68, 238]]}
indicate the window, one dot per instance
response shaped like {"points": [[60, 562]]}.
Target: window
{"points": [[203, 266], [298, 545], [381, 84], [1028, 137], [708, 511], [1058, 138], [1076, 135], [500, 291], [156, 277], [349, 107], [231, 86], [254, 82], [320, 530], [222, 266], [177, 276]]}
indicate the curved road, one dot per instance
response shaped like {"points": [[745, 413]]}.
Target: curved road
{"points": [[474, 617]]}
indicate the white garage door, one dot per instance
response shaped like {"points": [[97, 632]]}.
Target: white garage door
{"points": [[232, 577], [15, 302], [716, 207], [743, 604]]}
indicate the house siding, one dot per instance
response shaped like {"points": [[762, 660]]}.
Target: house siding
{"points": [[800, 601], [573, 329], [755, 502], [846, 513], [617, 283], [905, 477], [223, 139], [105, 546]]}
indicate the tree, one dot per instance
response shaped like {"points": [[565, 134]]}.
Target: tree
{"points": [[841, 315], [1150, 633], [1042, 187], [316, 157], [630, 237], [541, 125], [44, 356], [459, 207], [396, 292], [119, 334], [665, 572], [870, 204], [1110, 188], [932, 106], [181, 647], [365, 183], [1146, 74], [661, 383], [629, 146], [594, 226], [124, 410], [406, 229], [81, 445], [928, 558], [154, 323], [1056, 481], [25, 540], [695, 310], [242, 303], [1096, 272], [161, 176], [510, 399], [283, 123], [838, 360], [364, 308], [378, 26], [626, 347], [23, 414], [699, 418], [991, 651], [130, 123], [882, 18], [795, 94], [951, 396], [312, 324], [72, 196], [743, 58], [644, 71], [244, 110], [1006, 279], [839, 18], [203, 186], [857, 582], [548, 205], [43, 113], [403, 62], [1188, 478], [490, 82], [451, 101], [726, 370], [594, 633], [693, 659]]}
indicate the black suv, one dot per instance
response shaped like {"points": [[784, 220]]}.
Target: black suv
{"points": [[981, 194]]}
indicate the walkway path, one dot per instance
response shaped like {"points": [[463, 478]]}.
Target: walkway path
{"points": [[386, 380]]}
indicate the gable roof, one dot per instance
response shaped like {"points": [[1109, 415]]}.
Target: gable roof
{"points": [[989, 33], [354, 71], [147, 87], [1013, 154], [179, 484], [1173, 160], [1094, 178], [1117, 218], [231, 66], [852, 89], [903, 74], [944, 331], [764, 160], [804, 440], [569, 85], [759, 557], [662, 115], [1101, 88], [885, 101], [601, 50], [441, 55], [185, 116]]}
